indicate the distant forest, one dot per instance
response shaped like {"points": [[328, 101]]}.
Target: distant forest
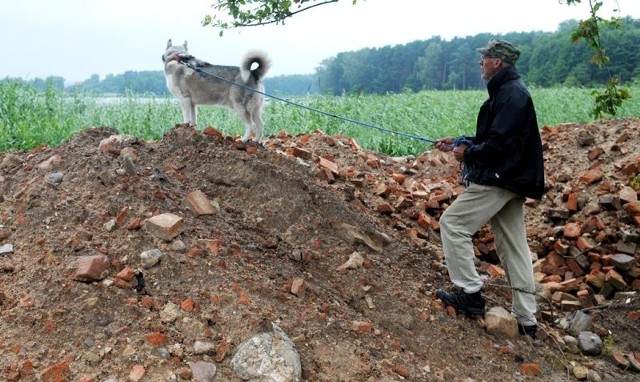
{"points": [[548, 59]]}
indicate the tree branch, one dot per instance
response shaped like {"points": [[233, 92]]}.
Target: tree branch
{"points": [[268, 12]]}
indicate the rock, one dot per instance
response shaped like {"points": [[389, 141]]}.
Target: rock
{"points": [[623, 262], [499, 321], [201, 347], [579, 322], [6, 248], [355, 261], [268, 356], [54, 178], [580, 372], [170, 313], [10, 161], [202, 371], [590, 343], [150, 258]]}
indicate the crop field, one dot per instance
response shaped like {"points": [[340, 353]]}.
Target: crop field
{"points": [[395, 124]]}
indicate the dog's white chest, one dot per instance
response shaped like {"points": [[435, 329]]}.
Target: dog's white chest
{"points": [[173, 85]]}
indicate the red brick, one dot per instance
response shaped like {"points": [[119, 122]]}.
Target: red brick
{"points": [[530, 369], [243, 299], [304, 139], [222, 349], [148, 302], [185, 373], [134, 224], [156, 339], [595, 153], [596, 279], [187, 305], [120, 283], [592, 224], [552, 279], [584, 244], [495, 271], [91, 268], [325, 174], [299, 153], [569, 285], [386, 209], [424, 220], [122, 217], [555, 259], [212, 132], [165, 226], [329, 165], [361, 327], [572, 202], [56, 373], [615, 279], [251, 148], [572, 231], [136, 373], [401, 370], [126, 274], [213, 245], [297, 287], [199, 203], [632, 208], [592, 176], [628, 194], [399, 178]]}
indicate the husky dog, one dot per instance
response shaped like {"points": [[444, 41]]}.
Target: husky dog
{"points": [[203, 86]]}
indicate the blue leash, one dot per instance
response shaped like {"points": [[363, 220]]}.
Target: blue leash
{"points": [[406, 135]]}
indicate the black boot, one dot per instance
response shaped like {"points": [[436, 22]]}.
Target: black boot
{"points": [[528, 330], [469, 303]]}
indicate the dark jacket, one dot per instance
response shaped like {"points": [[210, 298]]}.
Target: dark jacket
{"points": [[507, 149]]}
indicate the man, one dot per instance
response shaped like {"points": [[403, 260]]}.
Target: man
{"points": [[501, 166]]}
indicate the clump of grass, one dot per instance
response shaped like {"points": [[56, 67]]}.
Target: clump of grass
{"points": [[29, 117], [635, 182], [607, 348]]}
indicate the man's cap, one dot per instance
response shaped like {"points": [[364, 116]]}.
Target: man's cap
{"points": [[501, 49]]}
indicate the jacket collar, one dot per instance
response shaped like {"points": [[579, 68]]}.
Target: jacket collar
{"points": [[505, 75]]}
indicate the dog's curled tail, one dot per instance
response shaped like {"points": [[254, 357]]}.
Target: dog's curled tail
{"points": [[256, 74]]}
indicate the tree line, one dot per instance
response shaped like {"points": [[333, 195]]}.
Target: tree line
{"points": [[548, 59]]}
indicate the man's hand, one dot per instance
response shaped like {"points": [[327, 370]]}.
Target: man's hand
{"points": [[444, 144], [458, 152]]}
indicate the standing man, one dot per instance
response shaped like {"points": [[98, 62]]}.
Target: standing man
{"points": [[501, 166]]}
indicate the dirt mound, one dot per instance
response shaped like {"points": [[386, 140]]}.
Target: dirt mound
{"points": [[336, 245]]}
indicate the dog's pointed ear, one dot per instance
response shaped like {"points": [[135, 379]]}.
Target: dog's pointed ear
{"points": [[185, 44], [169, 44]]}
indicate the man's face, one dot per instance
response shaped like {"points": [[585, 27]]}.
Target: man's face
{"points": [[489, 66]]}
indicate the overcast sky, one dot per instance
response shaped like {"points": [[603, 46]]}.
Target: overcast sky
{"points": [[77, 38]]}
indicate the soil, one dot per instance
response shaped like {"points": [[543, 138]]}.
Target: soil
{"points": [[284, 226]]}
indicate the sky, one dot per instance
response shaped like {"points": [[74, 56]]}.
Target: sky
{"points": [[75, 39]]}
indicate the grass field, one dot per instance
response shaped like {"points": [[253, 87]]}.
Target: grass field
{"points": [[396, 124]]}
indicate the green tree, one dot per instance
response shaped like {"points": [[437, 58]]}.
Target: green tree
{"points": [[330, 74], [426, 68], [608, 100]]}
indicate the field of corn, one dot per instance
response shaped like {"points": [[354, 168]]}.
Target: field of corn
{"points": [[395, 124]]}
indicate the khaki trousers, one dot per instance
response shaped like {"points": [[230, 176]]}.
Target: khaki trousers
{"points": [[504, 210]]}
